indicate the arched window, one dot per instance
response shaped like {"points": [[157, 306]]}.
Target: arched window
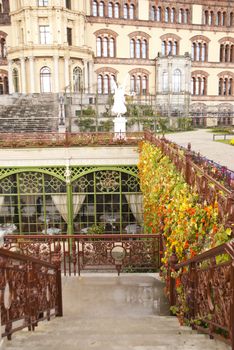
{"points": [[172, 15], [180, 15], [105, 47], [101, 9], [186, 15], [106, 84], [224, 15], [77, 79], [206, 17], [131, 11], [3, 48], [163, 48], [110, 10], [100, 84], [210, 18], [112, 47], [176, 80], [226, 86], [95, 8], [138, 85], [138, 48], [45, 79], [166, 16], [175, 48], [99, 47], [132, 48], [15, 76], [203, 53], [5, 83], [1, 86], [159, 14], [112, 88], [153, 13], [169, 47], [193, 51], [144, 85], [231, 19], [144, 48], [116, 10], [105, 43], [125, 11], [230, 85], [165, 81], [133, 84]]}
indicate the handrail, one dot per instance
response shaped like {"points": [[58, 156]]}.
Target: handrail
{"points": [[206, 284], [68, 139], [39, 291], [221, 249], [79, 252]]}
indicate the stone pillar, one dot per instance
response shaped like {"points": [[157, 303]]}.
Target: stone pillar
{"points": [[23, 75], [56, 73], [10, 77], [66, 72], [32, 80]]}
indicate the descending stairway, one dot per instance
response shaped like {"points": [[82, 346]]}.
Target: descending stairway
{"points": [[34, 113], [113, 313]]}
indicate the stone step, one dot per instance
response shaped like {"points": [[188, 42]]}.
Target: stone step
{"points": [[113, 313]]}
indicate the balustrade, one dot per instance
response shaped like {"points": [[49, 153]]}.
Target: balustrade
{"points": [[201, 291], [30, 291]]}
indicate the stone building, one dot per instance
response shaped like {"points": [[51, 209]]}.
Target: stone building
{"points": [[181, 54]]}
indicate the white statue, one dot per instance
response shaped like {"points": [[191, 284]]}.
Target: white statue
{"points": [[119, 107]]}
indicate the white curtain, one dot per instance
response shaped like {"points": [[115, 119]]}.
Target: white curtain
{"points": [[135, 202], [60, 201], [1, 205], [78, 200]]}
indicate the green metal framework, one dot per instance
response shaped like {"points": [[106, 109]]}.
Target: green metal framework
{"points": [[104, 199]]}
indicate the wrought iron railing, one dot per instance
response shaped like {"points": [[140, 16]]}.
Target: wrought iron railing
{"points": [[201, 290], [30, 291], [123, 252], [44, 139], [197, 176]]}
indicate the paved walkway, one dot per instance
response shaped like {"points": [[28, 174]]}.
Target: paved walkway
{"points": [[202, 141]]}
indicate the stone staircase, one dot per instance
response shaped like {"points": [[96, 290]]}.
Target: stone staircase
{"points": [[113, 313], [30, 113]]}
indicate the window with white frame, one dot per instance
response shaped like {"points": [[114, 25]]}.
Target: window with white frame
{"points": [[176, 80], [44, 32], [116, 10], [45, 79], [43, 2]]}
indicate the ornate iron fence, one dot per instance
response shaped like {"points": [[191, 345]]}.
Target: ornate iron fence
{"points": [[30, 291], [202, 290], [55, 139], [123, 252]]}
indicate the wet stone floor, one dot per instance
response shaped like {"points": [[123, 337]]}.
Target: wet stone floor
{"points": [[129, 294]]}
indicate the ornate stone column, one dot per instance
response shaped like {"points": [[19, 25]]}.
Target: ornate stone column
{"points": [[32, 80], [23, 75]]}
